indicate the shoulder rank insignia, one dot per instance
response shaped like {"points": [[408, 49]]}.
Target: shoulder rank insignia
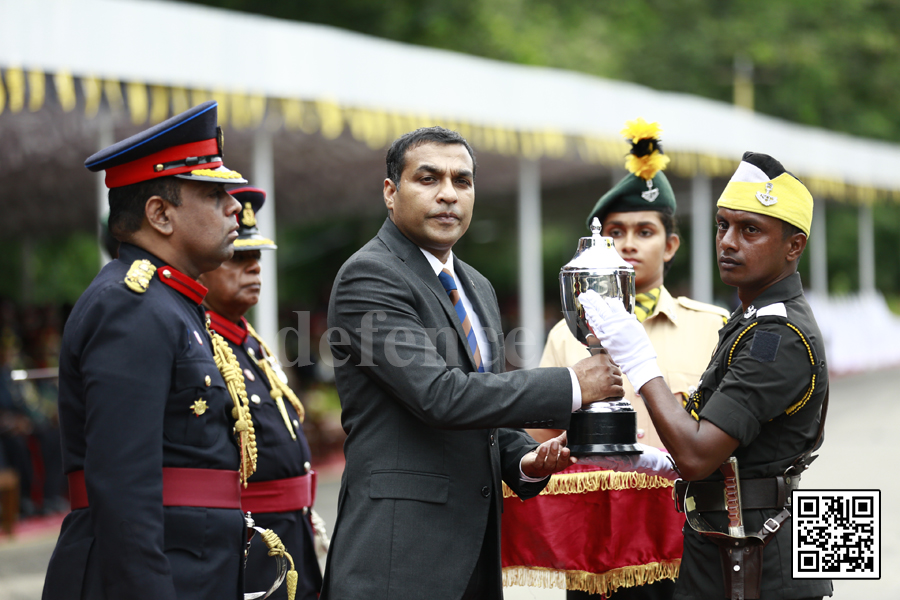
{"points": [[139, 275], [249, 217]]}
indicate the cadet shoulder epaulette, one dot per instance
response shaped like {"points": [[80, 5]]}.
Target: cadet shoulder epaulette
{"points": [[702, 307], [139, 275]]}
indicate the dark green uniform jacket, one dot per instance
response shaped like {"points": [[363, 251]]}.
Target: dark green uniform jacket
{"points": [[756, 389]]}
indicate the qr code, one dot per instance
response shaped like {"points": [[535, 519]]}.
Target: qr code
{"points": [[836, 534]]}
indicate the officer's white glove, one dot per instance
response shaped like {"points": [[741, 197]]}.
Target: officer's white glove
{"points": [[321, 542], [622, 336], [652, 462]]}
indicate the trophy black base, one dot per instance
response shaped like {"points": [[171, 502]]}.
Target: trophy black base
{"points": [[596, 433]]}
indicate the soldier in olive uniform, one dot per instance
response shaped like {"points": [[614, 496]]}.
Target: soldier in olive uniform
{"points": [[145, 415], [638, 213], [280, 494], [760, 400]]}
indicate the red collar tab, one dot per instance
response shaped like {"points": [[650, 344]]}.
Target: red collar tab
{"points": [[171, 161], [236, 333], [180, 282]]}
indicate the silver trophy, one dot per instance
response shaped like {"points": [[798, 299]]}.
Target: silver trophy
{"points": [[608, 426]]}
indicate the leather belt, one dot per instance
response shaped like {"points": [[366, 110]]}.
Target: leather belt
{"points": [[766, 492], [207, 488], [280, 495]]}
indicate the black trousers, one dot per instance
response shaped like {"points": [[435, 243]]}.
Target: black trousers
{"points": [[481, 577]]}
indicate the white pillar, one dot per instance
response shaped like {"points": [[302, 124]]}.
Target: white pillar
{"points": [[105, 138], [818, 252], [263, 176], [531, 290], [866, 250], [702, 245]]}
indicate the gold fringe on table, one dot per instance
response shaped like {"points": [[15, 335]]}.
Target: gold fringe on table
{"points": [[592, 481], [593, 583]]}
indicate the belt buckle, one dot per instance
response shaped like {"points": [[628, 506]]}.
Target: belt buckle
{"points": [[775, 526]]}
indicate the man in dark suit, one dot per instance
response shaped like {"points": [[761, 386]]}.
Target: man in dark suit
{"points": [[431, 419], [145, 414]]}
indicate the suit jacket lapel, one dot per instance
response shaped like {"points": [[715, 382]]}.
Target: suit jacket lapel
{"points": [[412, 257]]}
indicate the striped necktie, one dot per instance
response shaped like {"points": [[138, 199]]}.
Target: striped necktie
{"points": [[645, 303], [450, 285]]}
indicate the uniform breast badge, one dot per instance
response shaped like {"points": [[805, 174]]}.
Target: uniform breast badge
{"points": [[199, 407], [139, 275]]}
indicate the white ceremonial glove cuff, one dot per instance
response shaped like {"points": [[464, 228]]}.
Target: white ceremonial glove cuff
{"points": [[622, 336]]}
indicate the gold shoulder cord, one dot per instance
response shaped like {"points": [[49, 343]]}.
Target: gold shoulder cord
{"points": [[276, 548], [279, 389], [230, 369]]}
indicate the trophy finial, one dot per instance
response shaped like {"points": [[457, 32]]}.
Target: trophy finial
{"points": [[595, 227]]}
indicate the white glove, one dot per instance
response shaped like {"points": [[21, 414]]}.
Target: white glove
{"points": [[652, 462], [321, 542], [622, 336]]}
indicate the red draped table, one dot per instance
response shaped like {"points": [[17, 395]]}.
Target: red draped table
{"points": [[592, 530]]}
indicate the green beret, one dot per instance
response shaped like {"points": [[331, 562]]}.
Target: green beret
{"points": [[634, 193]]}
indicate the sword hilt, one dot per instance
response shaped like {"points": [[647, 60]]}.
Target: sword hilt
{"points": [[733, 497]]}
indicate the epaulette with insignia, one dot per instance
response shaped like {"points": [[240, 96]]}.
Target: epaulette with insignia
{"points": [[139, 275], [702, 306]]}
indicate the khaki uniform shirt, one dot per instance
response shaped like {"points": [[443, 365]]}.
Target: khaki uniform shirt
{"points": [[683, 332]]}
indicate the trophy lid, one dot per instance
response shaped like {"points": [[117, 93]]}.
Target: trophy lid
{"points": [[596, 254]]}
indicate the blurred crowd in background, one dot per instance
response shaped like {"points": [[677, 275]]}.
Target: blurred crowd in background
{"points": [[29, 427]]}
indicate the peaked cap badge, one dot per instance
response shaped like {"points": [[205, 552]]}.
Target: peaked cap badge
{"points": [[139, 275], [766, 198], [248, 219], [652, 193]]}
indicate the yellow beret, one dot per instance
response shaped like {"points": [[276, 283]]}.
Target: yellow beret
{"points": [[761, 185]]}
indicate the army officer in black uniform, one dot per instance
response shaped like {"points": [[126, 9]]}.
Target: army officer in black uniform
{"points": [[759, 401], [145, 415], [280, 494]]}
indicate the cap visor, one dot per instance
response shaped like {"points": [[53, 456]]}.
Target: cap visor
{"points": [[218, 175], [253, 242]]}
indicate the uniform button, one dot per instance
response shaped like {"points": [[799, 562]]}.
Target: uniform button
{"points": [[305, 510], [486, 492], [208, 381], [251, 352], [492, 439], [249, 375], [307, 466], [255, 399], [527, 423], [640, 433], [296, 424]]}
